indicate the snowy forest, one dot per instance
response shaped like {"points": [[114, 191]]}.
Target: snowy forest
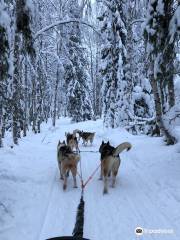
{"points": [[116, 60]]}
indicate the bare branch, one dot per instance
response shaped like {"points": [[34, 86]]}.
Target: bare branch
{"points": [[174, 118], [141, 20], [64, 22]]}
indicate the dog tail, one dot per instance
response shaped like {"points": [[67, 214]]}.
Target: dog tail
{"points": [[121, 147], [75, 131]]}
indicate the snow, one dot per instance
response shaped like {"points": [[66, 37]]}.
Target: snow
{"points": [[160, 7], [138, 92], [174, 27], [30, 6], [33, 205], [177, 88], [4, 18]]}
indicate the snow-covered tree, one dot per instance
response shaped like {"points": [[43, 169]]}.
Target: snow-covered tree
{"points": [[141, 98], [66, 69], [22, 42], [116, 80], [4, 61], [160, 37], [76, 75]]}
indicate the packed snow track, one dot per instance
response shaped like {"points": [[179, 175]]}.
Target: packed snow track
{"points": [[33, 205]]}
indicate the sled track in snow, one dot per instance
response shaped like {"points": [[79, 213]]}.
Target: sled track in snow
{"points": [[39, 237], [146, 193]]}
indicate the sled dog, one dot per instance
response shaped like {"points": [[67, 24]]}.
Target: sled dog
{"points": [[110, 161], [67, 161], [86, 136], [72, 141]]}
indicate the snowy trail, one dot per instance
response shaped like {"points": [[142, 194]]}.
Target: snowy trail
{"points": [[146, 194]]}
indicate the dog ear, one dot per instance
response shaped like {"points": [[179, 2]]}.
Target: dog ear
{"points": [[64, 142], [59, 142], [102, 142], [108, 143]]}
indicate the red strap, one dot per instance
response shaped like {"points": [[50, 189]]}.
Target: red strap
{"points": [[83, 185], [91, 176]]}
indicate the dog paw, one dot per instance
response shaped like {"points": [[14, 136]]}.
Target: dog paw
{"points": [[75, 186], [64, 187], [105, 191]]}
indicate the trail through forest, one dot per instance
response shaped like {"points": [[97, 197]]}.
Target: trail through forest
{"points": [[35, 207]]}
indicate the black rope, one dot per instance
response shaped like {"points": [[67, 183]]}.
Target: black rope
{"points": [[77, 233], [79, 225], [90, 151], [79, 151]]}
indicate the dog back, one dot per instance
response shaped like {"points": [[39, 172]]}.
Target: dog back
{"points": [[69, 159], [106, 150], [87, 135]]}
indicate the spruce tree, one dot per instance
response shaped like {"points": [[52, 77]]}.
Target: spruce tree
{"points": [[113, 70], [161, 58], [22, 31], [4, 62], [76, 77]]}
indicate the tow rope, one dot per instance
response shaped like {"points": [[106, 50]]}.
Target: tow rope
{"points": [[77, 233], [89, 151], [79, 225]]}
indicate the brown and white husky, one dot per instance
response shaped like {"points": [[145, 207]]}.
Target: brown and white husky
{"points": [[67, 161], [110, 161]]}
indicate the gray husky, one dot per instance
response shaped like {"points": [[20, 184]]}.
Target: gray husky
{"points": [[86, 136]]}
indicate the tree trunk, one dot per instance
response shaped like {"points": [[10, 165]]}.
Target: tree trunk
{"points": [[93, 81], [34, 112], [162, 96], [25, 122], [15, 100], [171, 94], [158, 107], [1, 122], [98, 102], [55, 97]]}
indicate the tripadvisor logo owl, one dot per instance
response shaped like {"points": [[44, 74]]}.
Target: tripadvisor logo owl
{"points": [[139, 231]]}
